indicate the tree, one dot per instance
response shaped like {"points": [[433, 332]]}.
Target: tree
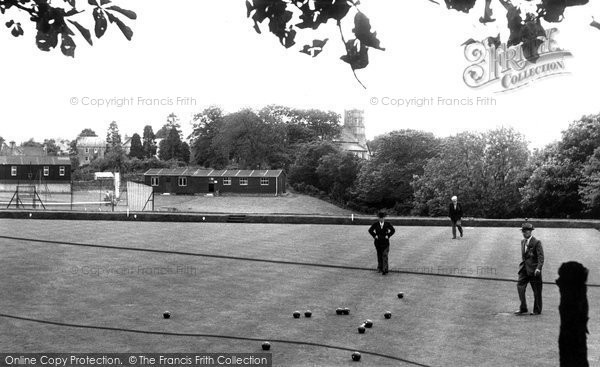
{"points": [[385, 180], [50, 147], [170, 147], [506, 156], [248, 142], [184, 152], [87, 132], [113, 137], [31, 143], [207, 125], [303, 125], [589, 190], [136, 150], [304, 169], [149, 144], [562, 177], [172, 121], [457, 169], [54, 20], [337, 172], [484, 170], [580, 139]]}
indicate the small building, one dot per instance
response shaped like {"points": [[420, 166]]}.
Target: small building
{"points": [[90, 148], [352, 138], [205, 181], [48, 174]]}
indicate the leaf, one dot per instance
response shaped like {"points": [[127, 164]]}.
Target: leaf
{"points": [[70, 2], [101, 23], [67, 45], [595, 24], [460, 5], [93, 2], [487, 13], [17, 30], [46, 41], [328, 9], [84, 32], [10, 23], [127, 32], [249, 8], [315, 49], [494, 41], [104, 2], [362, 30], [468, 42], [553, 10], [128, 13], [357, 57]]}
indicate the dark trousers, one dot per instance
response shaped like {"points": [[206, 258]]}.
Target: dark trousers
{"points": [[455, 224], [536, 286], [382, 257]]}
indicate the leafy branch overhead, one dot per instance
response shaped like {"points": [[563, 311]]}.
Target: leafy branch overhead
{"points": [[57, 21], [525, 26], [287, 17]]}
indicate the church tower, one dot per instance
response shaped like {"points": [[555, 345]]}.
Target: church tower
{"points": [[354, 123]]}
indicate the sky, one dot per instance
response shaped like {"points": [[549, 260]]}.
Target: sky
{"points": [[192, 54]]}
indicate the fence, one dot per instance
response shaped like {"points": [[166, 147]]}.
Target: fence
{"points": [[140, 197]]}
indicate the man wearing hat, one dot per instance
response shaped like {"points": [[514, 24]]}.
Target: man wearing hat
{"points": [[381, 231], [455, 213], [530, 270]]}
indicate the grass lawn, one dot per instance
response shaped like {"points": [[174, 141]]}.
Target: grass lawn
{"points": [[290, 203], [442, 321]]}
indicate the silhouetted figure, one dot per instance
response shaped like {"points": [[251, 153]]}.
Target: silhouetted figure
{"points": [[573, 309]]}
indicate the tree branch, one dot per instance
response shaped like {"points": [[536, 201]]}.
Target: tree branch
{"points": [[29, 10], [339, 24]]}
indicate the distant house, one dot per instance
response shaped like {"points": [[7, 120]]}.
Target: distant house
{"points": [[46, 173], [90, 148], [204, 181], [353, 138]]}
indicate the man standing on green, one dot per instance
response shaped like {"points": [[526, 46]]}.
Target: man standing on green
{"points": [[381, 231], [455, 213], [530, 270]]}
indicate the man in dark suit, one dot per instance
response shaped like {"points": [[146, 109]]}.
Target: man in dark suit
{"points": [[455, 213], [530, 270], [381, 231]]}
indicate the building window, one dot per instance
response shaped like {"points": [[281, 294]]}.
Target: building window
{"points": [[182, 181], [13, 170], [244, 181], [61, 170], [87, 159], [227, 181], [86, 150], [264, 181], [95, 150], [154, 180], [46, 170]]}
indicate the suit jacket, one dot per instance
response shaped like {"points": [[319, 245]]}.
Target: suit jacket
{"points": [[455, 214], [382, 235], [532, 256]]}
